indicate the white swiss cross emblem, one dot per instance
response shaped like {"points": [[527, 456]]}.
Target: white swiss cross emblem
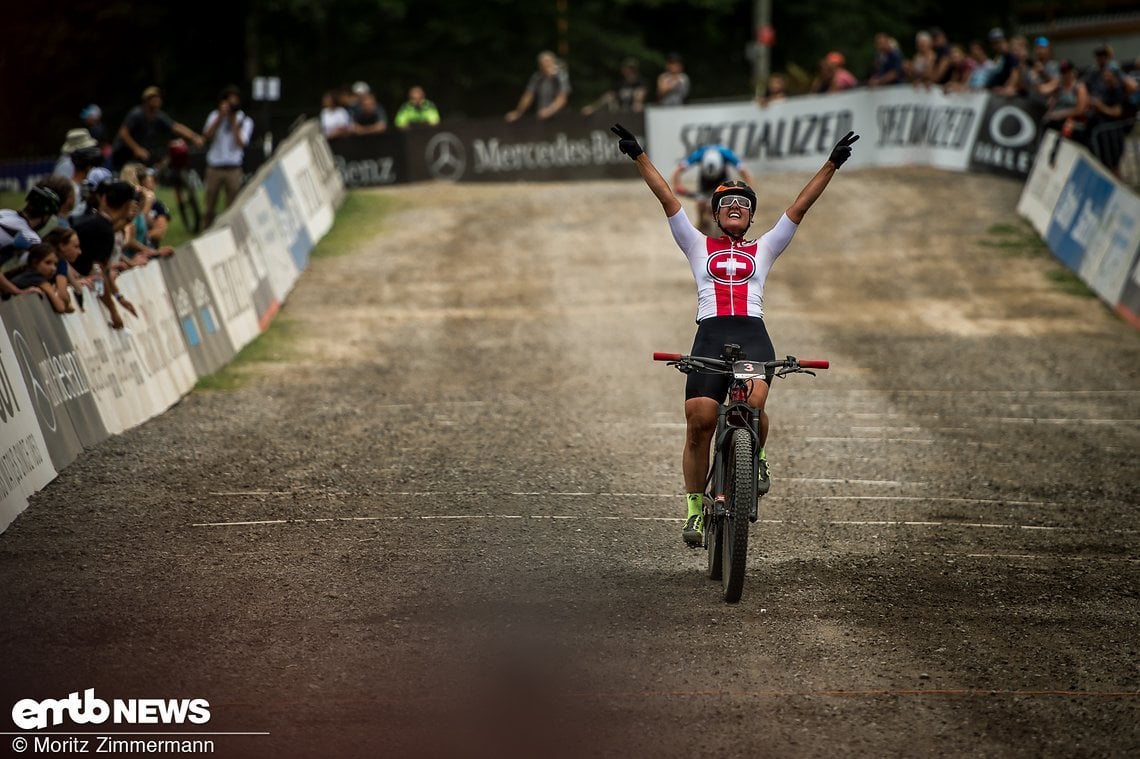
{"points": [[731, 267]]}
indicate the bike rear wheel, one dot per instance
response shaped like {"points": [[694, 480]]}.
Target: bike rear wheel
{"points": [[714, 524], [734, 528]]}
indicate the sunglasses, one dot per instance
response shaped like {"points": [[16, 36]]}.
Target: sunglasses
{"points": [[735, 200]]}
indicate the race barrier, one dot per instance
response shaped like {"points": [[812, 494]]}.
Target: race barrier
{"points": [[897, 126], [1089, 219], [69, 381]]}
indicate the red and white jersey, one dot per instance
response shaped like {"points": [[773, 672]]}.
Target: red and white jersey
{"points": [[730, 275]]}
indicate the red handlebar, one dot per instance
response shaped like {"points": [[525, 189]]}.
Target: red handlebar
{"points": [[659, 356], [809, 364]]}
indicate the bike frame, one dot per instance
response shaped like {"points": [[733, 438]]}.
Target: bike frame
{"points": [[735, 413]]}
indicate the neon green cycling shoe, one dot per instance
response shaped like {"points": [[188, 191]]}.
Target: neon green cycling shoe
{"points": [[694, 532]]}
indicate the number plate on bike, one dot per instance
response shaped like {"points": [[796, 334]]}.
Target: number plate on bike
{"points": [[747, 370]]}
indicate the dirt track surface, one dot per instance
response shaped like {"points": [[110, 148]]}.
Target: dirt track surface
{"points": [[462, 501]]}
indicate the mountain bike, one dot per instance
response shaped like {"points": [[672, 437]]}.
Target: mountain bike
{"points": [[177, 174], [731, 502]]}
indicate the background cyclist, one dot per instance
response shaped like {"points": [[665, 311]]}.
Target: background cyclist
{"points": [[729, 273], [714, 162]]}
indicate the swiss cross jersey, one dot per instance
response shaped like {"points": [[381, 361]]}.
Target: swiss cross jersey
{"points": [[730, 275]]}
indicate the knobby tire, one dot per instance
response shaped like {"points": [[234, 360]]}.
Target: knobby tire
{"points": [[734, 529]]}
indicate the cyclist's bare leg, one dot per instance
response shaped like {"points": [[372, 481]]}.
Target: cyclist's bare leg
{"points": [[700, 424]]}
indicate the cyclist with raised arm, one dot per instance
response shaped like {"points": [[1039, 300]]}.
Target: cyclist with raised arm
{"points": [[729, 273], [714, 162]]}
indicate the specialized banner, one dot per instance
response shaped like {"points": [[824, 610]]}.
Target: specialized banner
{"points": [[898, 126], [25, 465]]}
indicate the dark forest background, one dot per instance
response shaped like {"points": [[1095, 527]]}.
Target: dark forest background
{"points": [[473, 58]]}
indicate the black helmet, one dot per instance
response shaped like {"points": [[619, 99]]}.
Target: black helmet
{"points": [[41, 202], [732, 187], [87, 158]]}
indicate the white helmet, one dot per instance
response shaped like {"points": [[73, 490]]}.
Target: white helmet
{"points": [[712, 163]]}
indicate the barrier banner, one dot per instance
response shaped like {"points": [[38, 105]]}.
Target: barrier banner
{"points": [[1129, 305], [260, 236], [370, 160], [325, 165], [1050, 172], [898, 126], [1089, 220], [1079, 209], [51, 371], [229, 280], [1007, 142], [491, 150], [159, 351], [307, 188], [25, 465], [207, 343], [265, 301], [287, 210]]}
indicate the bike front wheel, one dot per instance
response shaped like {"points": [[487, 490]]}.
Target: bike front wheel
{"points": [[734, 528]]}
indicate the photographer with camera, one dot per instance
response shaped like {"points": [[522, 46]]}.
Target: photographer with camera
{"points": [[228, 130]]}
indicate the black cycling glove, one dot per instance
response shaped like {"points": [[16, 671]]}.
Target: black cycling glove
{"points": [[842, 150], [627, 143]]}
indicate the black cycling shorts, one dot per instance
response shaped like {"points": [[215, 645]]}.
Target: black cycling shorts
{"points": [[713, 333]]}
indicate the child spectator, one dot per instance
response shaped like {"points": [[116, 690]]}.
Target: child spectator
{"points": [[38, 276], [65, 242]]}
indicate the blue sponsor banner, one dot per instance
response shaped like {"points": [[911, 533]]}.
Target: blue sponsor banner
{"points": [[1078, 212], [289, 216], [18, 176]]}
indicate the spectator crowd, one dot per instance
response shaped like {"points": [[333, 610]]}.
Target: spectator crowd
{"points": [[98, 213]]}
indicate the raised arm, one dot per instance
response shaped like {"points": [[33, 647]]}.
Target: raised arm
{"points": [[815, 187], [628, 144]]}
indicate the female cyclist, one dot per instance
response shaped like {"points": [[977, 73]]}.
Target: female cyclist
{"points": [[730, 273]]}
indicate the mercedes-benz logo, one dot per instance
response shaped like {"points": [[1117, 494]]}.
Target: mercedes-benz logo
{"points": [[445, 156]]}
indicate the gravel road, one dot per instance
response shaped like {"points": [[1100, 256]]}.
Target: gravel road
{"points": [[446, 520]]}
